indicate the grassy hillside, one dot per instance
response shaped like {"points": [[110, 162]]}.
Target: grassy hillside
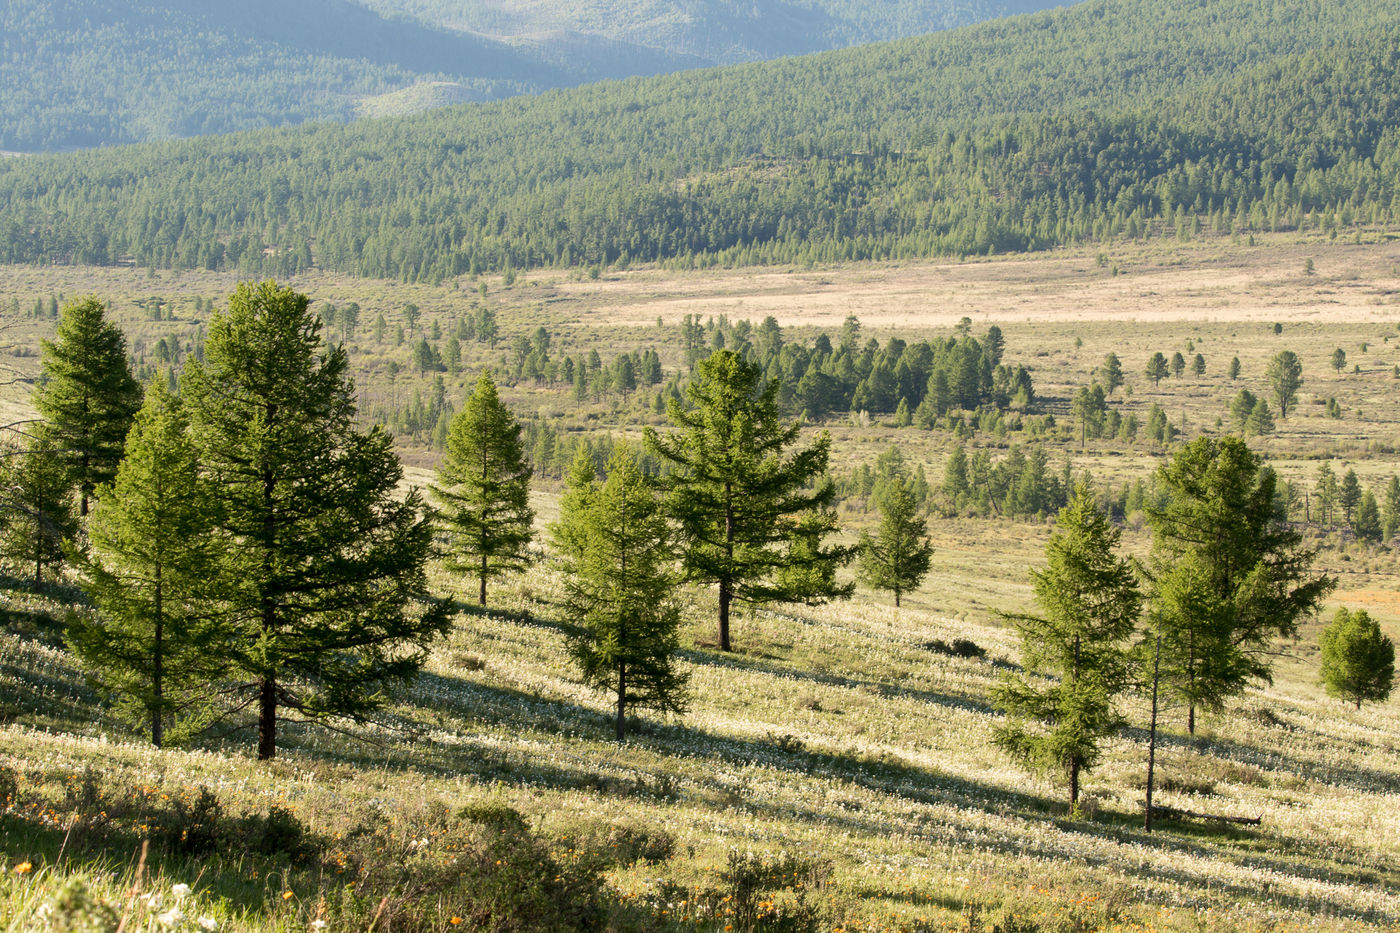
{"points": [[837, 771], [836, 747], [1050, 129]]}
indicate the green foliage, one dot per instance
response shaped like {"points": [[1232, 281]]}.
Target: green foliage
{"points": [[1328, 492], [748, 510], [1358, 660], [1151, 120], [1349, 496], [1090, 600], [483, 487], [322, 569], [620, 591], [1339, 359], [1227, 575], [1112, 372], [39, 503], [1285, 375], [87, 395], [1367, 523], [155, 645], [898, 557], [1157, 368]]}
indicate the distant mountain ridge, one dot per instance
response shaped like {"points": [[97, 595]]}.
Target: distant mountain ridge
{"points": [[87, 73], [719, 32]]}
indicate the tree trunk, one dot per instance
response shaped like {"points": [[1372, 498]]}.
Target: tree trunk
{"points": [[1073, 783], [483, 580], [724, 599], [1152, 736], [1191, 718], [896, 597], [621, 701], [158, 671], [726, 592], [267, 721]]}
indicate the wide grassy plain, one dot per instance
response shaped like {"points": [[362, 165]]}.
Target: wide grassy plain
{"points": [[840, 736]]}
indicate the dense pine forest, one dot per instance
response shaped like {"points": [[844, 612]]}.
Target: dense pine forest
{"points": [[1018, 135]]}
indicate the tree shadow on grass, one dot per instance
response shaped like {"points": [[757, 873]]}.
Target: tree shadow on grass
{"points": [[504, 707]]}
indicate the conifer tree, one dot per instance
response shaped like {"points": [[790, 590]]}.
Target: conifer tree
{"points": [[569, 535], [321, 569], [40, 508], [1390, 516], [1285, 375], [1367, 523], [897, 558], [483, 489], [1327, 492], [1157, 368], [1112, 371], [620, 591], [1228, 575], [155, 643], [748, 510], [1350, 496], [1089, 599], [89, 396], [1261, 420], [1358, 660]]}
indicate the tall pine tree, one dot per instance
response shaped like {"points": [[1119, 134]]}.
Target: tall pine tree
{"points": [[752, 515], [620, 591], [898, 557], [1090, 600], [155, 643], [40, 507], [322, 568], [483, 489], [1228, 576], [88, 395]]}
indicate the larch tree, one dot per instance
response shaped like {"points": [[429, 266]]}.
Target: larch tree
{"points": [[897, 558], [620, 591], [1228, 575], [88, 395], [155, 642], [321, 569], [1089, 600], [483, 489], [1157, 368], [1112, 372], [1358, 660], [752, 515], [1285, 375], [39, 515]]}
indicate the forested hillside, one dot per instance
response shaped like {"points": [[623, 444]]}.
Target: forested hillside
{"points": [[1110, 118], [86, 73]]}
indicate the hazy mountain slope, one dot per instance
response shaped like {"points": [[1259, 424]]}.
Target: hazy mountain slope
{"points": [[92, 72], [82, 73], [1022, 134], [716, 31]]}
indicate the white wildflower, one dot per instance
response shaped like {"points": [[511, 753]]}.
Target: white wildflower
{"points": [[171, 917], [180, 890], [208, 923]]}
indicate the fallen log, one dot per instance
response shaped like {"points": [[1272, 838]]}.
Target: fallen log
{"points": [[1178, 814]]}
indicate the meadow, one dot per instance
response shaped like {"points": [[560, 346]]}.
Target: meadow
{"points": [[836, 771]]}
